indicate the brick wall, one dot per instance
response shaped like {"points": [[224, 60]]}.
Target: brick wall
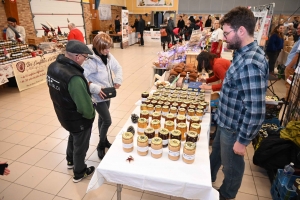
{"points": [[3, 23], [104, 24], [87, 21], [132, 18], [25, 17]]}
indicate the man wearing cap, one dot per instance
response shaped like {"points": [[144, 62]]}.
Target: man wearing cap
{"points": [[10, 33], [75, 33], [71, 98]]}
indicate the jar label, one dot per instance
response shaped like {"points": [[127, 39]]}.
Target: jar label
{"points": [[144, 99], [165, 142], [127, 146], [140, 130], [142, 149], [156, 151], [189, 157], [174, 153], [164, 113]]}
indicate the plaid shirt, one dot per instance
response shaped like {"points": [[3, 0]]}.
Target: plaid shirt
{"points": [[242, 98]]}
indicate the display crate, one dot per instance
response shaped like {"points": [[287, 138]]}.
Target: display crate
{"points": [[279, 192]]}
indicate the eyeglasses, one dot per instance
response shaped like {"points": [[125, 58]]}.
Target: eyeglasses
{"points": [[85, 57], [227, 33]]}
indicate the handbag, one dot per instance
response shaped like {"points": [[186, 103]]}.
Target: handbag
{"points": [[110, 92]]}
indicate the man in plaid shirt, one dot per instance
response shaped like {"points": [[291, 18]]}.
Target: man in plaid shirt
{"points": [[241, 109]]}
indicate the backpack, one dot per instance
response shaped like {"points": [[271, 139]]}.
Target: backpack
{"points": [[163, 32]]}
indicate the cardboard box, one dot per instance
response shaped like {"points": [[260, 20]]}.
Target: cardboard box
{"points": [[36, 41]]}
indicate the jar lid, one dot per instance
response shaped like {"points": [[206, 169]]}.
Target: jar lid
{"points": [[145, 112], [173, 108], [190, 89], [156, 93], [170, 115], [195, 90], [181, 117], [200, 107], [160, 102], [155, 121], [156, 114], [165, 107], [142, 138], [176, 132], [181, 109], [195, 118], [193, 93], [145, 93], [192, 107], [184, 92], [183, 105], [184, 89], [187, 101], [189, 145], [167, 103], [147, 101], [179, 101], [149, 130], [195, 125], [127, 135], [175, 104], [178, 88], [169, 123], [191, 110], [143, 104], [150, 105], [192, 134], [142, 120], [164, 131], [181, 125], [174, 143], [156, 140], [202, 103], [154, 102], [163, 99], [202, 91]]}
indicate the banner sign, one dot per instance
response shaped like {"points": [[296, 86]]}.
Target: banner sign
{"points": [[260, 18], [33, 71], [125, 37], [156, 3]]}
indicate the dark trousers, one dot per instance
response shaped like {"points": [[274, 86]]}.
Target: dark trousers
{"points": [[173, 38], [142, 37], [78, 145], [104, 121], [272, 60]]}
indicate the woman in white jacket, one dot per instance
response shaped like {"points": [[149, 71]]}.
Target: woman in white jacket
{"points": [[98, 72]]}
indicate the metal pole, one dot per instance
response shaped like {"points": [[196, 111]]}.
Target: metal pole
{"points": [[119, 191]]}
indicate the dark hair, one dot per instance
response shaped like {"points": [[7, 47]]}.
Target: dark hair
{"points": [[275, 31], [180, 16], [11, 19], [240, 16], [117, 16], [141, 16], [206, 58]]}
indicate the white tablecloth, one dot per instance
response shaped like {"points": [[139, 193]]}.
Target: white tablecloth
{"points": [[176, 178]]}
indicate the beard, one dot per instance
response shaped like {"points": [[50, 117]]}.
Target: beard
{"points": [[235, 43]]}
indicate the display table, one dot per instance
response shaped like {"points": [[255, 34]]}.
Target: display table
{"points": [[161, 175]]}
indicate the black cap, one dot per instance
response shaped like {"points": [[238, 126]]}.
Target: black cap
{"points": [[75, 46], [11, 19]]}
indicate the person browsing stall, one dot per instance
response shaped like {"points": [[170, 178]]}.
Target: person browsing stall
{"points": [[117, 24], [216, 39], [219, 66], [164, 34], [241, 110], [70, 94], [75, 33], [98, 71]]}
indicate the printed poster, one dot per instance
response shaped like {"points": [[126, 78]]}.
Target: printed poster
{"points": [[156, 3], [260, 18], [32, 72], [104, 12]]}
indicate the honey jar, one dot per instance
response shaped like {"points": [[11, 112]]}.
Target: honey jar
{"points": [[183, 97], [195, 103], [179, 101], [154, 102], [192, 98], [143, 106], [172, 100], [191, 112], [200, 108], [165, 111], [145, 95], [194, 119], [200, 114], [160, 103], [175, 104], [189, 90], [147, 102], [189, 151], [191, 136], [127, 142], [187, 102], [142, 124], [184, 92], [192, 107], [155, 123], [145, 114], [163, 133], [195, 127], [167, 103], [150, 133], [181, 111], [156, 115], [156, 147], [180, 119], [142, 145], [170, 117], [178, 88], [173, 110], [150, 108], [158, 108], [163, 99], [202, 103], [192, 93], [202, 91], [156, 93], [169, 125], [184, 106], [174, 149], [176, 134], [183, 129]]}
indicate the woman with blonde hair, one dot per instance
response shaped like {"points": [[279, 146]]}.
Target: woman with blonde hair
{"points": [[98, 72]]}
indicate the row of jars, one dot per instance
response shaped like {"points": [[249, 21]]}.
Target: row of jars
{"points": [[155, 145], [166, 96], [173, 88], [4, 59]]}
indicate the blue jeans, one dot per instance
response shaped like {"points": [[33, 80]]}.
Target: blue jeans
{"points": [[233, 164]]}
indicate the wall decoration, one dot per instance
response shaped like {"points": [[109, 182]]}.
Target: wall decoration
{"points": [[156, 3], [104, 12]]}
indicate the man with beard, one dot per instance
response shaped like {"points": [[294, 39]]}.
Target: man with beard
{"points": [[241, 109]]}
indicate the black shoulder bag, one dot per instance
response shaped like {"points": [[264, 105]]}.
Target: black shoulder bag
{"points": [[110, 92]]}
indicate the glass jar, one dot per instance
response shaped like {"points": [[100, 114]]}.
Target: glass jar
{"points": [[143, 106], [156, 115], [154, 102], [192, 107], [145, 114], [170, 117], [163, 133], [147, 102], [160, 103], [187, 102], [202, 103], [191, 112], [180, 119], [200, 108], [156, 147], [167, 104], [182, 127], [127, 142], [194, 119], [176, 134], [165, 111], [191, 136], [150, 109], [200, 114], [196, 127], [145, 95], [175, 104], [189, 151], [156, 94], [179, 102], [169, 125], [174, 149], [142, 145], [173, 110], [158, 108], [184, 106], [150, 133], [181, 111], [142, 124], [155, 123]]}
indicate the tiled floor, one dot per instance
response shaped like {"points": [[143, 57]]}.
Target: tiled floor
{"points": [[33, 142]]}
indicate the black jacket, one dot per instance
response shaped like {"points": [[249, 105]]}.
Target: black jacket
{"points": [[180, 24], [141, 26], [59, 75]]}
